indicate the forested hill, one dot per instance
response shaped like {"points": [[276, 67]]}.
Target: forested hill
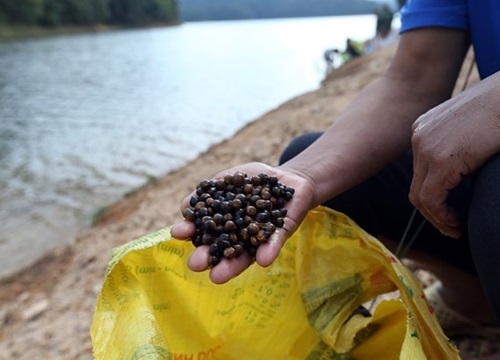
{"points": [[53, 13], [199, 10]]}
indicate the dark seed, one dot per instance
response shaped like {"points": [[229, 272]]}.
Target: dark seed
{"points": [[213, 260], [224, 237], [279, 222], [189, 214], [262, 217], [193, 200], [207, 239], [220, 184], [218, 218], [209, 226], [203, 211], [214, 250]]}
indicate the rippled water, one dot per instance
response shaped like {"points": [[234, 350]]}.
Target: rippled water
{"points": [[86, 118]]}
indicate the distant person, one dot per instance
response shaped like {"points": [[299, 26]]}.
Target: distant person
{"points": [[334, 57], [353, 48], [384, 21], [330, 56], [384, 36]]}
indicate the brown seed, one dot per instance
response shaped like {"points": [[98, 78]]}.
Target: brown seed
{"points": [[256, 180], [239, 179], [248, 219], [233, 238], [254, 241], [266, 194], [236, 204], [229, 226], [261, 204], [253, 229], [251, 210], [199, 205], [248, 188], [238, 249], [261, 236], [229, 253], [228, 179], [244, 234]]}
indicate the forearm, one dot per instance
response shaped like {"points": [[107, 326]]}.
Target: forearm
{"points": [[371, 132], [376, 128]]}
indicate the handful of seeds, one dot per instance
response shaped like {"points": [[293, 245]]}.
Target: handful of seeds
{"points": [[237, 213]]}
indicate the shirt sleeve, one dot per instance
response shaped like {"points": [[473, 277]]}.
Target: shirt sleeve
{"points": [[426, 13]]}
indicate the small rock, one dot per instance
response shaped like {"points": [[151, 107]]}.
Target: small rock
{"points": [[35, 310]]}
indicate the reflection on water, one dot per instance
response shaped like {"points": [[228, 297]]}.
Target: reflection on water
{"points": [[85, 118]]}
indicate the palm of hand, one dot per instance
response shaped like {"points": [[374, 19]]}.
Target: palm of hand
{"points": [[267, 252]]}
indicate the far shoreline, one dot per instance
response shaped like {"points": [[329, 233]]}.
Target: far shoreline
{"points": [[24, 32]]}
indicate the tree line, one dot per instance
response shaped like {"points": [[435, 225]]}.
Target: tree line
{"points": [[52, 13], [198, 10]]}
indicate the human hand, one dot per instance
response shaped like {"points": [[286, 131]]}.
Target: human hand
{"points": [[450, 142], [267, 252]]}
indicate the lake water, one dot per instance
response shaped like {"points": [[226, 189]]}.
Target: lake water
{"points": [[86, 118]]}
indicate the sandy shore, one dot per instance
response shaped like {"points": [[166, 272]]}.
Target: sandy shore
{"points": [[46, 310]]}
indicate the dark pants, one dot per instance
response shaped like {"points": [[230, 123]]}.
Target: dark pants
{"points": [[381, 207]]}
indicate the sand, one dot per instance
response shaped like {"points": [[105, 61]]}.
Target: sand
{"points": [[46, 310]]}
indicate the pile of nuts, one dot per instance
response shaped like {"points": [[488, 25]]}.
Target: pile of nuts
{"points": [[237, 213]]}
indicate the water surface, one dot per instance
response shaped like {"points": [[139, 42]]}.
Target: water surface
{"points": [[85, 118]]}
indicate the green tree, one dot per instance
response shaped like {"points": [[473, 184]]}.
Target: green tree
{"points": [[87, 12], [166, 10], [22, 11]]}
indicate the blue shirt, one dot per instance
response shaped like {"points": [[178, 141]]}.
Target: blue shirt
{"points": [[481, 18]]}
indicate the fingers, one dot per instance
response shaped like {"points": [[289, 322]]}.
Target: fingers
{"points": [[269, 251], [429, 193], [183, 230], [223, 271]]}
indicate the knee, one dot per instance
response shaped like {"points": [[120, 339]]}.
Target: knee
{"points": [[298, 145], [484, 210]]}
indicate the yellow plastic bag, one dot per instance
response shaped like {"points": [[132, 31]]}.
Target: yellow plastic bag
{"points": [[152, 307]]}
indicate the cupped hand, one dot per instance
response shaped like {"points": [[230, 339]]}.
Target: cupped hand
{"points": [[297, 209], [449, 143]]}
